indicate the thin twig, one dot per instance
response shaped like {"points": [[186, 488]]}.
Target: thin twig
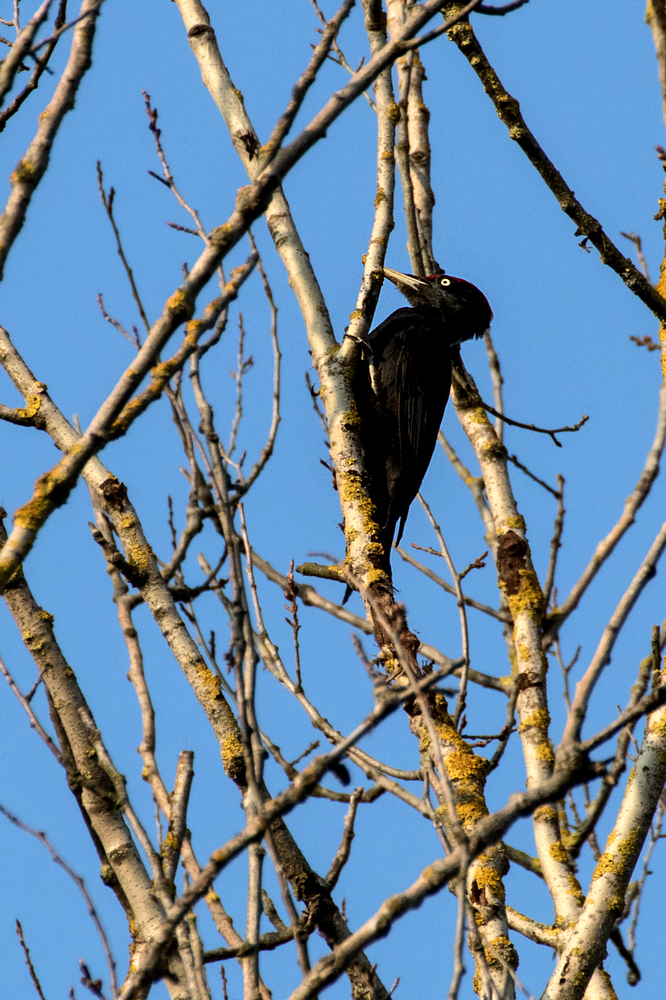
{"points": [[303, 84], [58, 32], [267, 450], [34, 721], [244, 364], [10, 66], [402, 150], [342, 854], [632, 504], [80, 884], [292, 607], [507, 730], [168, 176], [506, 8], [501, 615], [656, 646], [296, 923], [464, 629], [566, 669], [647, 704], [655, 836], [595, 809], [314, 395], [41, 67], [533, 427], [458, 944], [523, 468], [636, 240], [435, 749], [28, 960], [508, 110], [341, 58], [93, 986], [107, 202], [601, 658], [497, 380], [135, 340], [555, 542], [476, 486]]}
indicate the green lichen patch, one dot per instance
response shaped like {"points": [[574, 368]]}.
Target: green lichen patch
{"points": [[488, 877], [539, 719], [478, 416], [393, 113], [140, 557], [575, 890], [544, 751], [545, 814], [231, 753], [25, 172], [181, 304], [528, 597], [558, 852], [500, 953]]}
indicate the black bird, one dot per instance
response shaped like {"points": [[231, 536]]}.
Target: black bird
{"points": [[402, 394]]}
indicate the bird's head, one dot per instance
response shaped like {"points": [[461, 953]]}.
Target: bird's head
{"points": [[464, 308]]}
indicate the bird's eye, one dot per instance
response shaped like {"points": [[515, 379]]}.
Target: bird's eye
{"points": [[445, 282]]}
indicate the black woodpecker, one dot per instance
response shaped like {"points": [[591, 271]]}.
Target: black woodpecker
{"points": [[401, 395]]}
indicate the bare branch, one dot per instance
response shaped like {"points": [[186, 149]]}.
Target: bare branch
{"points": [[523, 468], [81, 886], [498, 382], [31, 168], [10, 65], [462, 693], [25, 704], [631, 507], [28, 960], [342, 854], [555, 542], [41, 67], [501, 615], [178, 818], [168, 176], [531, 427], [266, 814], [508, 109], [302, 86], [506, 8], [636, 240], [601, 658], [244, 484], [107, 202]]}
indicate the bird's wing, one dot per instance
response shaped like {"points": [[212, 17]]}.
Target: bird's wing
{"points": [[414, 368]]}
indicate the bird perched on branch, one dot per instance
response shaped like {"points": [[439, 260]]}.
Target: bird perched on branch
{"points": [[402, 394]]}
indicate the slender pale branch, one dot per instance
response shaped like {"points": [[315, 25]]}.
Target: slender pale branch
{"points": [[631, 507], [31, 167], [509, 112], [9, 66], [601, 658]]}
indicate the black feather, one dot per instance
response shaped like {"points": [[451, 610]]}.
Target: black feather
{"points": [[401, 415]]}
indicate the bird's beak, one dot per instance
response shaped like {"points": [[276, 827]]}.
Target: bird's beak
{"points": [[407, 280]]}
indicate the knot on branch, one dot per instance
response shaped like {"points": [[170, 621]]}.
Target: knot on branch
{"points": [[114, 493], [198, 30], [573, 760], [511, 553]]}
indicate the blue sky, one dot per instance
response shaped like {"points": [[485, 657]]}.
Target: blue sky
{"points": [[586, 77]]}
